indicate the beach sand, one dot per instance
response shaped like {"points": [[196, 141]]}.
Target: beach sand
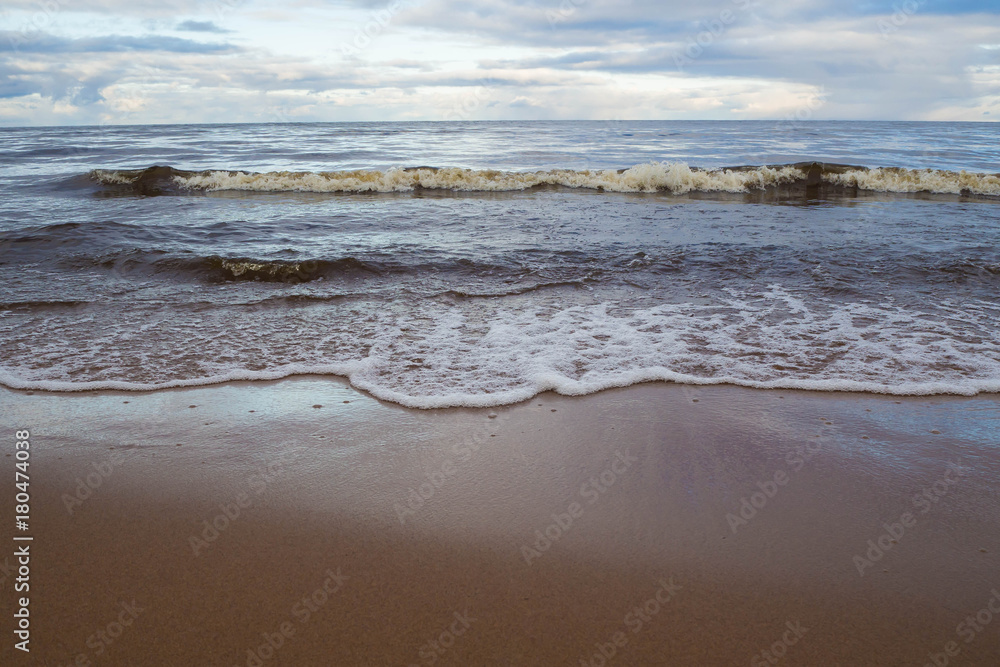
{"points": [[659, 524]]}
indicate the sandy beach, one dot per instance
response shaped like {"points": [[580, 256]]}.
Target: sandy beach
{"points": [[301, 522]]}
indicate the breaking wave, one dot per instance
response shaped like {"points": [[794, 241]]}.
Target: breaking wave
{"points": [[450, 355], [667, 177]]}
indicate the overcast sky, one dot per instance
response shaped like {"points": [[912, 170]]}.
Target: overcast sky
{"points": [[66, 62]]}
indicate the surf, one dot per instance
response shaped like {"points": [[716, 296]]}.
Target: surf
{"points": [[676, 178]]}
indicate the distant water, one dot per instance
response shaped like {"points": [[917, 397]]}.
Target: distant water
{"points": [[440, 264]]}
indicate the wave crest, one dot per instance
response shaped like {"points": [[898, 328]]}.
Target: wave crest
{"points": [[672, 177], [676, 178], [917, 180]]}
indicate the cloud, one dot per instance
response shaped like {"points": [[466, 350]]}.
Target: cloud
{"points": [[142, 8], [520, 59], [46, 43], [200, 26], [523, 102]]}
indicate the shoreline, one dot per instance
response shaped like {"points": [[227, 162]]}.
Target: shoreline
{"points": [[488, 401], [520, 534]]}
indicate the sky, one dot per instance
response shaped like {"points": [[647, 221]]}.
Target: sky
{"points": [[87, 62]]}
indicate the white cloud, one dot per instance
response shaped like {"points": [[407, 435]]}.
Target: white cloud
{"points": [[254, 60]]}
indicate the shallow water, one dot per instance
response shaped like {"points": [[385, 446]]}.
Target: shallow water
{"points": [[436, 294]]}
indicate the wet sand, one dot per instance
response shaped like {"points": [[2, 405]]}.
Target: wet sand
{"points": [[652, 525]]}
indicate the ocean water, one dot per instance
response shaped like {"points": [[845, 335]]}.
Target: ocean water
{"points": [[444, 264]]}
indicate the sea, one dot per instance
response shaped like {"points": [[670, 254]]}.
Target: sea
{"points": [[446, 264]]}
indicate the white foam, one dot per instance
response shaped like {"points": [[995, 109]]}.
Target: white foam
{"points": [[674, 177], [112, 177], [445, 356], [918, 180]]}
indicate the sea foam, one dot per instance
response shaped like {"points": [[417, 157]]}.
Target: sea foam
{"points": [[677, 178], [917, 180], [445, 356]]}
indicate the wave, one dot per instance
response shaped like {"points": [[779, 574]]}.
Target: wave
{"points": [[560, 385], [43, 304], [917, 180], [458, 354], [665, 177], [223, 269], [219, 269], [522, 271]]}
